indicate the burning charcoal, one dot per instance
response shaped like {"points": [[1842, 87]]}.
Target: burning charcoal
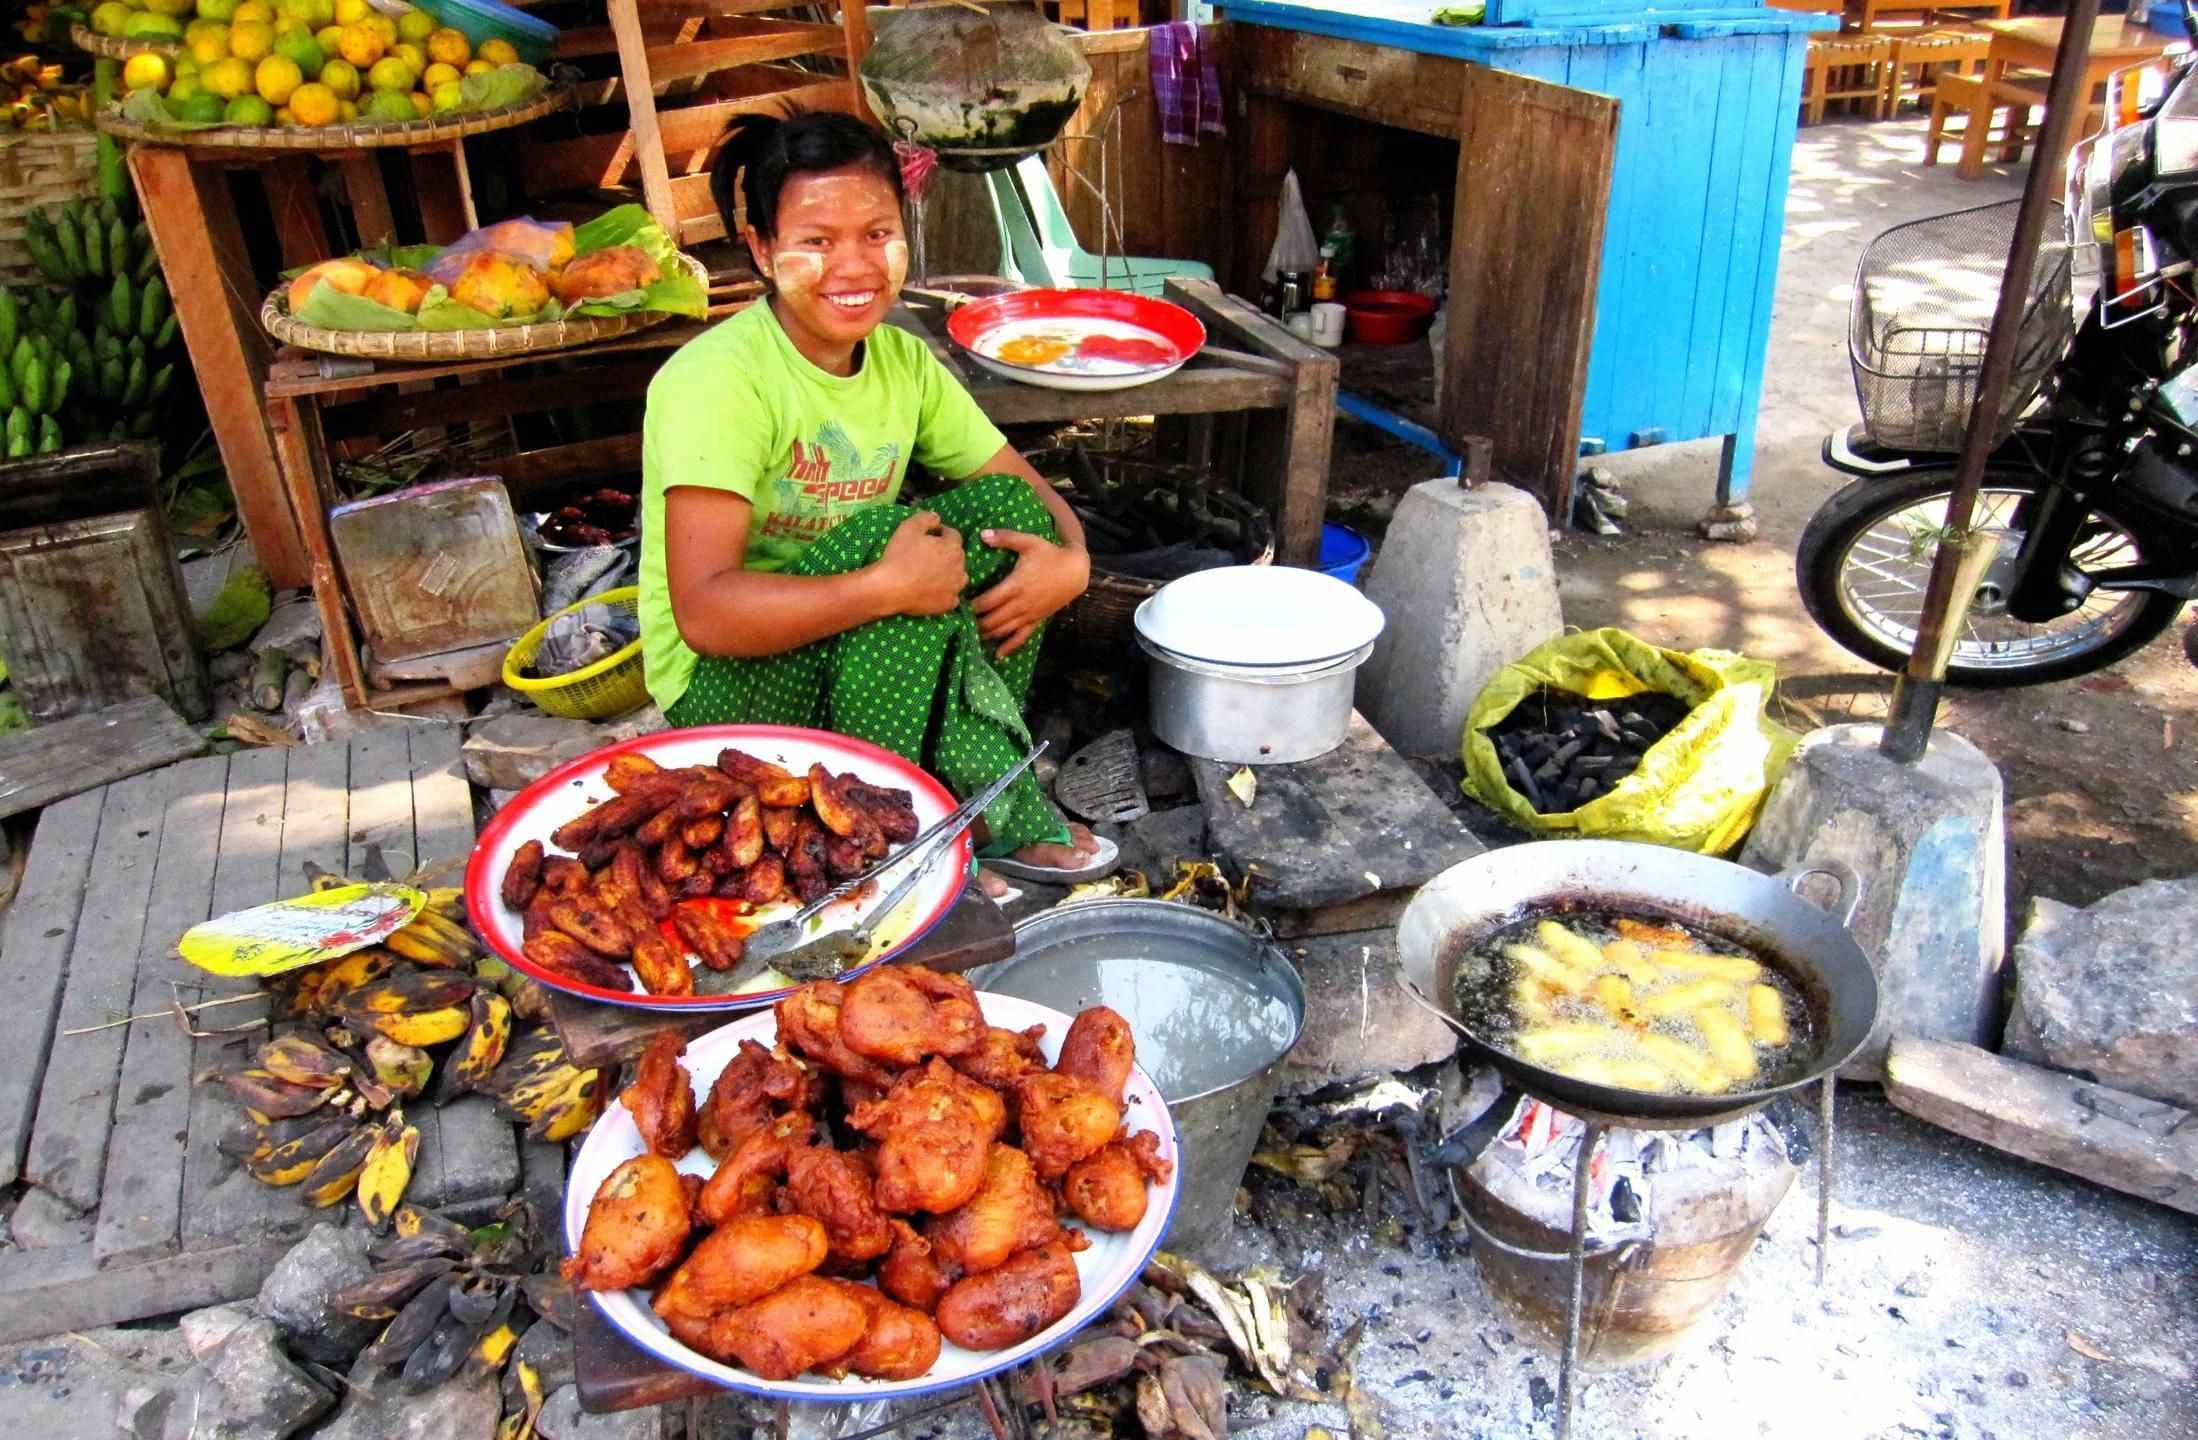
{"points": [[1605, 722]]}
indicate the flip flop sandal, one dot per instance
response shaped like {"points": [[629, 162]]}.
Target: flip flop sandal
{"points": [[1104, 862]]}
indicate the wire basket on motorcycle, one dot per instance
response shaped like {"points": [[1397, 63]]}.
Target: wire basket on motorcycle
{"points": [[1922, 311]]}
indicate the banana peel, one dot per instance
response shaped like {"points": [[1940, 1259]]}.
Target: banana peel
{"points": [[266, 1096], [344, 977], [420, 1028], [304, 1060], [404, 1069], [293, 1161], [387, 1171]]}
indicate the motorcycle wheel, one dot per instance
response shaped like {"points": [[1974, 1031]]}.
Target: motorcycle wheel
{"points": [[1862, 577]]}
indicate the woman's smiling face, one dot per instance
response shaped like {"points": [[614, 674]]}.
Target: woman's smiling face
{"points": [[838, 257]]}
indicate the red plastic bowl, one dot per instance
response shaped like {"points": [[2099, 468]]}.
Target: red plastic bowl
{"points": [[1387, 317]]}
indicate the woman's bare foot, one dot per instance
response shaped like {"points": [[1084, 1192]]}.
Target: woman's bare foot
{"points": [[993, 886], [1072, 856]]}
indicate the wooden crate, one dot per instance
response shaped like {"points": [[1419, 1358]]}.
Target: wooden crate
{"points": [[92, 607], [144, 1215]]}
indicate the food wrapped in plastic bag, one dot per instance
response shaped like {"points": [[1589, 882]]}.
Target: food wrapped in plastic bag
{"points": [[576, 641], [544, 245]]}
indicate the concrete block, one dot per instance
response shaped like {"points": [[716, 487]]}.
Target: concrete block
{"points": [[1929, 842], [1466, 581]]}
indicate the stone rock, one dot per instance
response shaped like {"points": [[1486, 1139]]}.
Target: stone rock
{"points": [[296, 1294], [268, 1397], [2040, 922], [1467, 583], [44, 1221], [1733, 524], [462, 1407], [511, 752], [1929, 844], [1165, 774], [2111, 991], [294, 628], [563, 1419], [549, 1350], [205, 1330], [1360, 1021], [468, 1153]]}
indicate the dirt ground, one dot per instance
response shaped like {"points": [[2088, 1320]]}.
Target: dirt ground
{"points": [[2101, 773]]}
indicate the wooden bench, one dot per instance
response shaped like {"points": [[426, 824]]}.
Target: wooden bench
{"points": [[1916, 63], [1842, 68]]}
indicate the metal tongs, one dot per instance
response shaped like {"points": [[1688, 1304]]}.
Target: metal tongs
{"points": [[781, 944]]}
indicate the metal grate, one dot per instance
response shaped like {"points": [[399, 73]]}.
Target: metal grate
{"points": [[1924, 296]]}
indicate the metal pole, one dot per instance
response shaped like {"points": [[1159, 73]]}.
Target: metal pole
{"points": [[1824, 1175], [1568, 1366], [1916, 695]]}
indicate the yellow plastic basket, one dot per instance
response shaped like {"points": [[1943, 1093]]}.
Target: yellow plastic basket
{"points": [[611, 686]]}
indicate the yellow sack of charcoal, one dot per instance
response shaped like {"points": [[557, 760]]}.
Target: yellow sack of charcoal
{"points": [[1698, 787]]}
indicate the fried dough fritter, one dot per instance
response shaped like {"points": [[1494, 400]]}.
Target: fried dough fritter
{"points": [[834, 1187], [742, 1261], [637, 1227], [1010, 1212], [910, 1273], [1100, 1050], [662, 1097], [933, 1135], [902, 1014], [809, 1322], [1007, 1306], [809, 1024], [756, 1087], [1064, 1120], [1106, 1190], [899, 1343], [1001, 1057]]}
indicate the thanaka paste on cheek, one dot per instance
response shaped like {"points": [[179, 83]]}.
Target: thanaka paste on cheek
{"points": [[896, 265], [797, 272]]}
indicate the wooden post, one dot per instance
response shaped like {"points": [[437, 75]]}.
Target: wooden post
{"points": [[1534, 163], [648, 138], [216, 301], [362, 183], [297, 211]]}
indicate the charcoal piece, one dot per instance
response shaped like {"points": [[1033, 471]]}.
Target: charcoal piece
{"points": [[1594, 764], [1568, 750], [1589, 788], [1605, 722], [1635, 735], [1631, 717], [1524, 781], [1538, 751], [1548, 771]]}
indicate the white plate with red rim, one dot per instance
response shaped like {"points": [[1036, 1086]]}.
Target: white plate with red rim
{"points": [[1105, 1270], [578, 785], [1077, 339]]}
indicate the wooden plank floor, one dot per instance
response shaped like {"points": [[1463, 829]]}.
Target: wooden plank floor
{"points": [[109, 1122]]}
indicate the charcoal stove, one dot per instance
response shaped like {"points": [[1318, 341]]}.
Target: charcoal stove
{"points": [[1766, 914]]}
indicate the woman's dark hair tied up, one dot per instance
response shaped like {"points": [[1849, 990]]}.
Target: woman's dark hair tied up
{"points": [[763, 152]]}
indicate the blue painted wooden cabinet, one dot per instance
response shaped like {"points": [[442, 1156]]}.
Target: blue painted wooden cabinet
{"points": [[1708, 100]]}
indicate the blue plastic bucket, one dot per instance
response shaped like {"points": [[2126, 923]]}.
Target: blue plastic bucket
{"points": [[1343, 553]]}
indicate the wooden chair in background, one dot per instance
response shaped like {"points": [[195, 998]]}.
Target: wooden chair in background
{"points": [[1842, 69], [1917, 62]]}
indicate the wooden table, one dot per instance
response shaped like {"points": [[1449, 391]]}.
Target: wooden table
{"points": [[1278, 392], [1865, 15], [2033, 44]]}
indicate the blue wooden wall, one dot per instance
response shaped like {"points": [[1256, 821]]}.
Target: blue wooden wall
{"points": [[1708, 101]]}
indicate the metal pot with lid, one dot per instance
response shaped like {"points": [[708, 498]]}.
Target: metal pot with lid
{"points": [[1255, 664]]}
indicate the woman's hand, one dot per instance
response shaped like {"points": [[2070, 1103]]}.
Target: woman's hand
{"points": [[1045, 578], [924, 564]]}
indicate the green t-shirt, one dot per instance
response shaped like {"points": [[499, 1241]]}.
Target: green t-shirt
{"points": [[739, 409]]}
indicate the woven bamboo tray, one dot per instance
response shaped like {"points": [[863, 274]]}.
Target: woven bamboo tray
{"points": [[490, 343], [116, 48], [356, 136], [39, 168]]}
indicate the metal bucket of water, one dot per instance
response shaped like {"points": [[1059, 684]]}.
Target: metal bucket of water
{"points": [[1214, 1010]]}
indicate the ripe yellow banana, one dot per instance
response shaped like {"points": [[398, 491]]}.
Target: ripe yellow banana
{"points": [[304, 1060], [448, 901], [486, 1038], [421, 990], [334, 1174], [420, 1028], [559, 1104], [290, 1162], [388, 1170], [344, 977]]}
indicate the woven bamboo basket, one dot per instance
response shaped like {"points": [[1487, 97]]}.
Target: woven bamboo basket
{"points": [[489, 343], [114, 47], [39, 168], [358, 135]]}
